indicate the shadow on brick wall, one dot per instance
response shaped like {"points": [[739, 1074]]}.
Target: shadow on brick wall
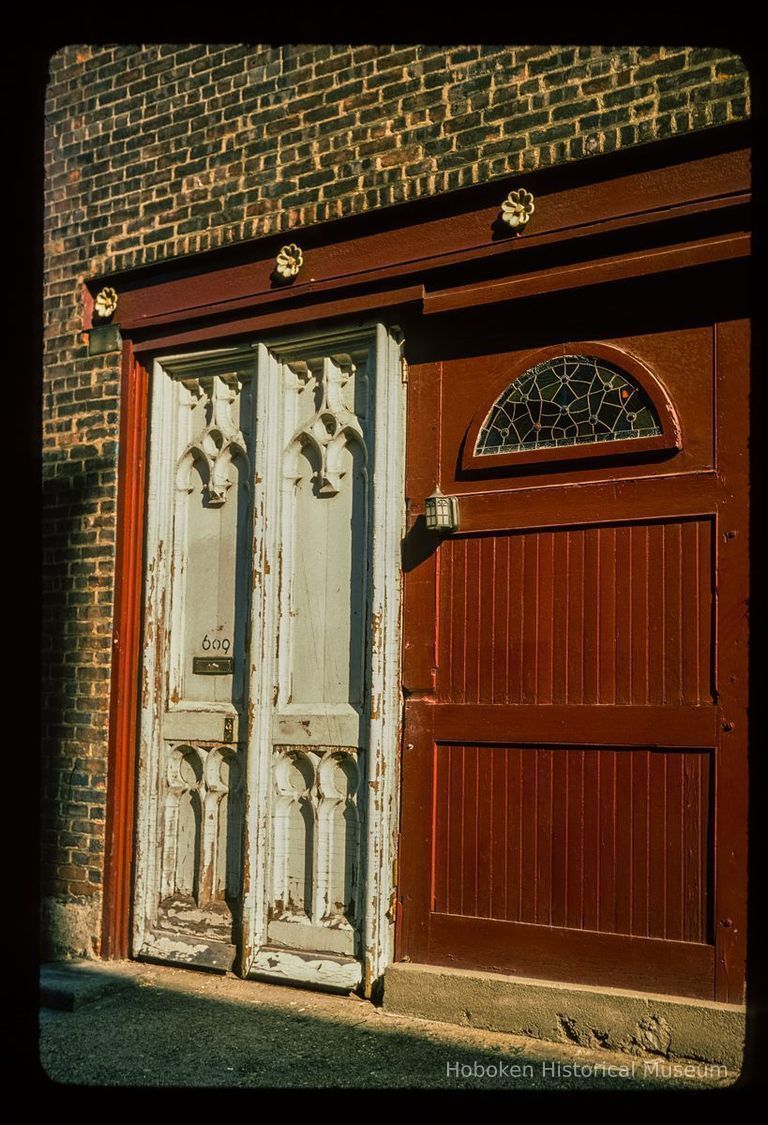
{"points": [[78, 560]]}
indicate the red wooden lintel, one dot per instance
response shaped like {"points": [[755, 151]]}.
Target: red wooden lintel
{"points": [[372, 260]]}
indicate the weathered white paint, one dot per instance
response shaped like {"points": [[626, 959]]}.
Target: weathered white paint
{"points": [[388, 519], [294, 968], [333, 696], [189, 865], [321, 645], [275, 499]]}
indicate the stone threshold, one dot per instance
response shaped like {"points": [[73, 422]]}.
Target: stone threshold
{"points": [[68, 985]]}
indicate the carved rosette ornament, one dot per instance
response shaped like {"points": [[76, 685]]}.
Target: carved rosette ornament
{"points": [[517, 208], [106, 303], [289, 261]]}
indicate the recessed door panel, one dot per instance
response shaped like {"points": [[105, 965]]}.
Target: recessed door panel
{"points": [[608, 613], [322, 712], [197, 634]]}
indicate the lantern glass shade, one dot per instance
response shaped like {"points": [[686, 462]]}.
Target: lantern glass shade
{"points": [[441, 512]]}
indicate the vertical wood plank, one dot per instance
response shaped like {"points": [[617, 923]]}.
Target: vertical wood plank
{"points": [[473, 615], [441, 845], [690, 616], [624, 579], [656, 621], [574, 839], [674, 846], [560, 619], [543, 813], [546, 640], [470, 851], [486, 623], [559, 835], [456, 830], [531, 585], [625, 812], [606, 905], [640, 775], [657, 867], [590, 919], [590, 633], [607, 615], [673, 613], [640, 622], [529, 800], [515, 832], [499, 845], [485, 846]]}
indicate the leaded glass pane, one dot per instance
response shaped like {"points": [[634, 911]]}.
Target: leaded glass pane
{"points": [[569, 400]]}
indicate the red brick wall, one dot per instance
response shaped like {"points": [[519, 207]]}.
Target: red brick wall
{"points": [[158, 151]]}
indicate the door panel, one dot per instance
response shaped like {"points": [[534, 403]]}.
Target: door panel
{"points": [[195, 671], [685, 354], [568, 836], [321, 714], [329, 512], [609, 613], [566, 737]]}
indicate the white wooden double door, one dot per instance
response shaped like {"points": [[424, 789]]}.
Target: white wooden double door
{"points": [[270, 698]]}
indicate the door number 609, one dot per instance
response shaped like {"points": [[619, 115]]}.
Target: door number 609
{"points": [[216, 644]]}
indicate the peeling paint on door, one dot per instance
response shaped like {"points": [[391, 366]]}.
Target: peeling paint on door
{"points": [[195, 670], [276, 478]]}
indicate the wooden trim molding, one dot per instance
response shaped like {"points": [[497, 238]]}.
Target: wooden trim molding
{"points": [[658, 208], [598, 271], [123, 708]]}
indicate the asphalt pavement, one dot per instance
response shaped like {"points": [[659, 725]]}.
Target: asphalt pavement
{"points": [[140, 1025]]}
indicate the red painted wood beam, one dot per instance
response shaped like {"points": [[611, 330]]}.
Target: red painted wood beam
{"points": [[120, 812]]}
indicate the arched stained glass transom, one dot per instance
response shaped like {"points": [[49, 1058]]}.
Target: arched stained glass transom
{"points": [[567, 400]]}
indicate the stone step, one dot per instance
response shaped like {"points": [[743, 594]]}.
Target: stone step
{"points": [[68, 985]]}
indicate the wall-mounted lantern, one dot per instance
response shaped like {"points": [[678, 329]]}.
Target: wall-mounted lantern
{"points": [[441, 512]]}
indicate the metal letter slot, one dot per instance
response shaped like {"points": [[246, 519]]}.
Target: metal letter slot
{"points": [[213, 665]]}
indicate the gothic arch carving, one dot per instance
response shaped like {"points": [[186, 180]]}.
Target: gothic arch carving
{"points": [[332, 427], [214, 448]]}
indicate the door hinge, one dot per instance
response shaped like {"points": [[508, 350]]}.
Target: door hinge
{"points": [[403, 369]]}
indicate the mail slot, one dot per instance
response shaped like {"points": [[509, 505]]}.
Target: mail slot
{"points": [[213, 665]]}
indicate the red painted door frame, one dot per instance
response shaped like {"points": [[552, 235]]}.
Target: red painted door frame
{"points": [[126, 647]]}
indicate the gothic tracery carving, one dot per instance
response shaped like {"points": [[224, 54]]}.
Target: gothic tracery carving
{"points": [[327, 432], [216, 445], [316, 837]]}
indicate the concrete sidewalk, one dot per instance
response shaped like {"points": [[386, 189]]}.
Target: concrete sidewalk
{"points": [[133, 1024]]}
